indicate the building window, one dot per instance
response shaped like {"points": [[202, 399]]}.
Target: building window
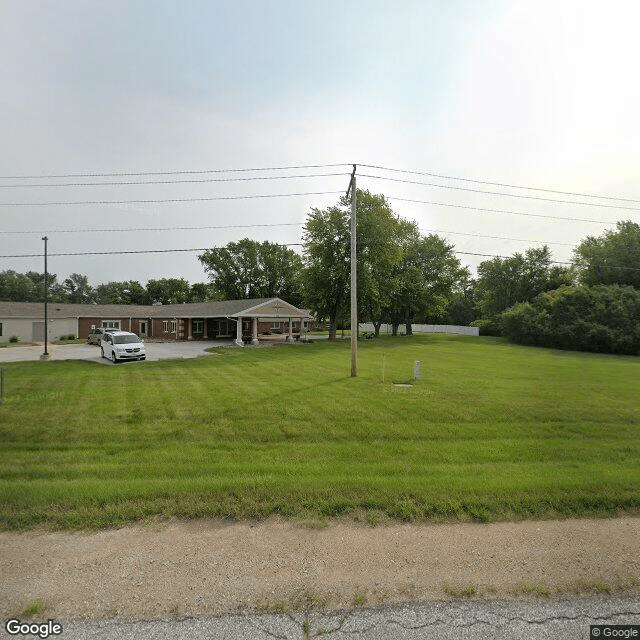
{"points": [[165, 326], [111, 324], [0, 328], [198, 326], [275, 325], [174, 326]]}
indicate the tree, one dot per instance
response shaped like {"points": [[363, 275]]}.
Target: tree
{"points": [[613, 258], [125, 292], [201, 292], [168, 291], [78, 290], [424, 280], [250, 269], [327, 255], [502, 282], [29, 287]]}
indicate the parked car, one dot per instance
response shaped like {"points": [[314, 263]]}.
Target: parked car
{"points": [[122, 345], [95, 335]]}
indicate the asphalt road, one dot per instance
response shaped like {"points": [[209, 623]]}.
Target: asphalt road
{"points": [[563, 619]]}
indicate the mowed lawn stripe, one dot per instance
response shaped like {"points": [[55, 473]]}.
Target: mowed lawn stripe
{"points": [[489, 431]]}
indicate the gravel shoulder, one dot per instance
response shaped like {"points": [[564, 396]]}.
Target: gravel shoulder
{"points": [[210, 567]]}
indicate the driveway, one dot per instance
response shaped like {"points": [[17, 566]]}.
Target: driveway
{"points": [[90, 352]]}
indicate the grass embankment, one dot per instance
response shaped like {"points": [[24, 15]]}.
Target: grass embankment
{"points": [[490, 431]]}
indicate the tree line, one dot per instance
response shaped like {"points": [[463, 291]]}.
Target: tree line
{"points": [[29, 287], [405, 277]]}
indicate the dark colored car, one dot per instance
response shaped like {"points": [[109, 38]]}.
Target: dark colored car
{"points": [[95, 335]]}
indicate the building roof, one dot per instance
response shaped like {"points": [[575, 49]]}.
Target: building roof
{"points": [[217, 309]]}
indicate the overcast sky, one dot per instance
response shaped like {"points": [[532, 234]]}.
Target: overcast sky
{"points": [[539, 94]]}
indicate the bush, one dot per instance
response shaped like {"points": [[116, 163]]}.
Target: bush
{"points": [[602, 319], [14, 339], [488, 327]]}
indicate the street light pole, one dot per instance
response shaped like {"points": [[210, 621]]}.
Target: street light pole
{"points": [[45, 355]]}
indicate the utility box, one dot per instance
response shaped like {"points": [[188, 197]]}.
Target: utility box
{"points": [[416, 370]]}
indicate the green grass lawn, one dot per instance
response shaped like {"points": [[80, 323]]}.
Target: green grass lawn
{"points": [[490, 431]]}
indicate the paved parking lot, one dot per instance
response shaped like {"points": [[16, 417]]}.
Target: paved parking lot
{"points": [[90, 352]]}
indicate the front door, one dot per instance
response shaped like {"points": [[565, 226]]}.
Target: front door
{"points": [[143, 327]]}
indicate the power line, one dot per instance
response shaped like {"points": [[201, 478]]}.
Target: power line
{"points": [[501, 184], [164, 200], [505, 211], [155, 182], [172, 173], [478, 235], [488, 255], [114, 253], [500, 193], [227, 226]]}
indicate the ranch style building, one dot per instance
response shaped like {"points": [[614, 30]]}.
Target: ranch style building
{"points": [[240, 320]]}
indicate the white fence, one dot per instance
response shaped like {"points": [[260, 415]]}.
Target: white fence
{"points": [[424, 328]]}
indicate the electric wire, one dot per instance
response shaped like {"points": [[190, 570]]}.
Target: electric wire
{"points": [[123, 252], [500, 193], [505, 211], [156, 182], [500, 184], [129, 229], [120, 174], [166, 200]]}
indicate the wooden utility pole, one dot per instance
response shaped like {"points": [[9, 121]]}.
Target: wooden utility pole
{"points": [[45, 355], [354, 271]]}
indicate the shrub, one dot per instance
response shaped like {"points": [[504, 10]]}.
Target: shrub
{"points": [[14, 339], [487, 327], [602, 319]]}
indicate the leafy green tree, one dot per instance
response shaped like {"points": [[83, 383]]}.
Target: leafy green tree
{"points": [[78, 290], [125, 292], [462, 308], [250, 269], [201, 292], [613, 258], [424, 280], [327, 256], [29, 287], [502, 282], [168, 291]]}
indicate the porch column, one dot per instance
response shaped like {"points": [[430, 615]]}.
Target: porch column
{"points": [[254, 330], [301, 329], [290, 336], [239, 332], [206, 324], [189, 330]]}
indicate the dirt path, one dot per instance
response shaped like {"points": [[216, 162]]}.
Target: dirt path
{"points": [[207, 567]]}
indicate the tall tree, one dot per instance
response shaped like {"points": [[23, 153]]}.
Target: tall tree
{"points": [[502, 282], [169, 291], [612, 258], [425, 279], [78, 290], [29, 287], [327, 256], [125, 292], [250, 269]]}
